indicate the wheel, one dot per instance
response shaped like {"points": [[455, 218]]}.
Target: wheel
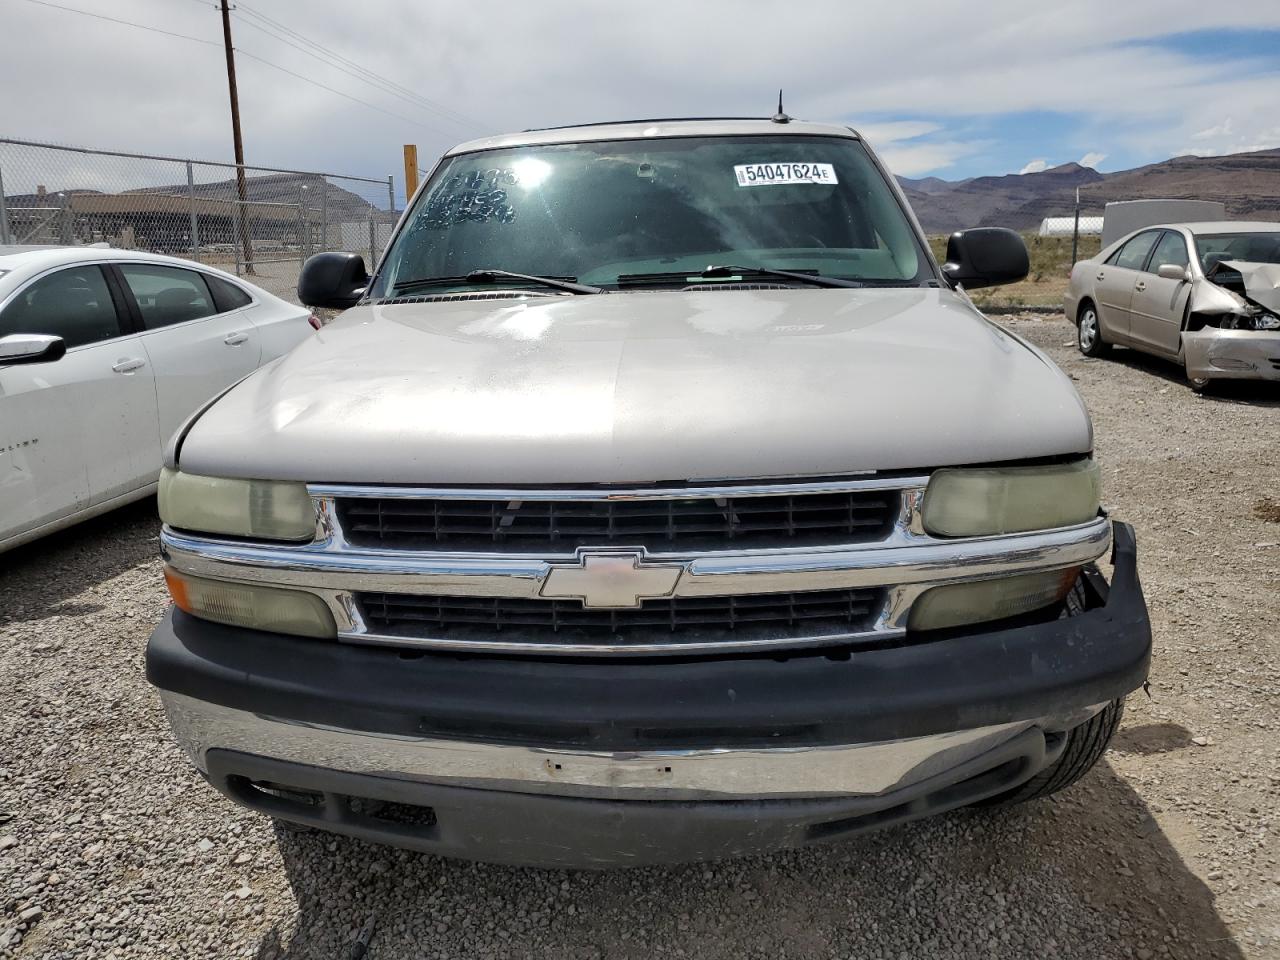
{"points": [[1085, 747], [1089, 333], [1199, 384]]}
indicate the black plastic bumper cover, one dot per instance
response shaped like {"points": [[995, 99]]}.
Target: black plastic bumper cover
{"points": [[910, 690]]}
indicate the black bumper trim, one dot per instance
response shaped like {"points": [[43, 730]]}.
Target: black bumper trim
{"points": [[918, 689], [551, 831]]}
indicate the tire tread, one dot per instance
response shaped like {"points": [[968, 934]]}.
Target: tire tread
{"points": [[1085, 746]]}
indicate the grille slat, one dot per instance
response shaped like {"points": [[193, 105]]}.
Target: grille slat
{"points": [[549, 621], [711, 523]]}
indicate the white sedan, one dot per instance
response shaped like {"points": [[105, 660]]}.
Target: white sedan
{"points": [[103, 354]]}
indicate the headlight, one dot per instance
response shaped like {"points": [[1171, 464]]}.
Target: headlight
{"points": [[970, 503], [1265, 321], [251, 606], [262, 509], [956, 604]]}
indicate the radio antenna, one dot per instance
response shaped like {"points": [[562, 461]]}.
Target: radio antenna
{"points": [[780, 116]]}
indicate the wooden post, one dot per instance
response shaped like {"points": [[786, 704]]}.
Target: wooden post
{"points": [[410, 171], [246, 245]]}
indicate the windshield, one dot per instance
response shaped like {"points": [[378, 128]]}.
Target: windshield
{"points": [[653, 210], [1249, 247]]}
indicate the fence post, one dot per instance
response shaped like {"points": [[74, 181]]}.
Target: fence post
{"points": [[391, 194], [64, 220], [324, 214], [5, 235], [304, 228], [1075, 230], [195, 222], [237, 220], [373, 256]]}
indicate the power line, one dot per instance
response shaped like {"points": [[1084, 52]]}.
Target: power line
{"points": [[413, 101], [126, 23], [331, 55], [317, 83], [211, 43]]}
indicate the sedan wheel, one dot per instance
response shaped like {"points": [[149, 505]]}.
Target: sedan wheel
{"points": [[1089, 335]]}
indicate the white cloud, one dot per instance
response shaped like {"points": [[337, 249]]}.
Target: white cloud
{"points": [[563, 61], [899, 145], [914, 159], [1035, 166], [1226, 137], [1222, 129], [895, 130], [1092, 159]]}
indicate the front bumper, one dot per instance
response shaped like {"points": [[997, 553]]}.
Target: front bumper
{"points": [[599, 762], [1232, 354]]}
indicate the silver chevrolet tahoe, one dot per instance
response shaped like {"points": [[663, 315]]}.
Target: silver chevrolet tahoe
{"points": [[657, 498]]}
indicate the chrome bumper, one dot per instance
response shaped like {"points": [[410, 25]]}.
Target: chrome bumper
{"points": [[683, 775], [905, 564]]}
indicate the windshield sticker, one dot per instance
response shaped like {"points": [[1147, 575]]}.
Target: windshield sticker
{"points": [[769, 174]]}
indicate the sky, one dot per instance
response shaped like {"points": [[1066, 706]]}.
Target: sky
{"points": [[939, 88]]}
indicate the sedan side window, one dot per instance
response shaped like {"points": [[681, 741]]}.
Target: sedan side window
{"points": [[1171, 249], [74, 304], [167, 295], [1133, 254], [227, 296]]}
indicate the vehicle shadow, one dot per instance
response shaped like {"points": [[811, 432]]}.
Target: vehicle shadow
{"points": [[1253, 392], [38, 580], [1088, 874]]}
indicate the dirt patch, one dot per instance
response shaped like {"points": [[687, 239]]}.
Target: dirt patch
{"points": [[1268, 510]]}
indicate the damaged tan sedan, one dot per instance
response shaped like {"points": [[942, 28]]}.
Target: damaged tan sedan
{"points": [[1205, 295]]}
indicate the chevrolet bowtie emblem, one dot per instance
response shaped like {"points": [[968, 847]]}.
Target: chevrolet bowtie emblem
{"points": [[611, 579]]}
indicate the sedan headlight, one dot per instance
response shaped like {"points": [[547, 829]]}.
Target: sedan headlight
{"points": [[261, 509], [964, 502], [249, 605]]}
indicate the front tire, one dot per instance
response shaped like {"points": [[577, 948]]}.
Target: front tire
{"points": [[1089, 332], [1199, 384], [1085, 746]]}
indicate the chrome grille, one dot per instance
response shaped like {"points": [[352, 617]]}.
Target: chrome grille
{"points": [[704, 522], [554, 622]]}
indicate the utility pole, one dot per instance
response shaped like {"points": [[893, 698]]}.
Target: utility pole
{"points": [[243, 207]]}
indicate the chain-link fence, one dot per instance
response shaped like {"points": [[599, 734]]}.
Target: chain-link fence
{"points": [[258, 222]]}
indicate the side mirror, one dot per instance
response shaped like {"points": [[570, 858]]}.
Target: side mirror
{"points": [[31, 348], [985, 257], [333, 280], [1172, 271]]}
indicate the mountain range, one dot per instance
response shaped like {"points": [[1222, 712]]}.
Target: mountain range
{"points": [[1248, 183]]}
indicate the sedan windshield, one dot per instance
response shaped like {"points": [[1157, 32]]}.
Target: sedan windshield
{"points": [[1248, 247], [657, 213]]}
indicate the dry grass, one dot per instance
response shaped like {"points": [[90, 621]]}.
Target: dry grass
{"points": [[1047, 281]]}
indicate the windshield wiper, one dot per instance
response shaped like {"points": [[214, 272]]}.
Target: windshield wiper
{"points": [[725, 271], [490, 275]]}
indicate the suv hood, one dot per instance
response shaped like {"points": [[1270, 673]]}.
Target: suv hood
{"points": [[643, 387]]}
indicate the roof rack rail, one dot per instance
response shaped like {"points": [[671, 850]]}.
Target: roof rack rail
{"points": [[614, 123]]}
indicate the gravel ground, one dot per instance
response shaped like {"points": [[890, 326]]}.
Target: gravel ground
{"points": [[111, 846]]}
